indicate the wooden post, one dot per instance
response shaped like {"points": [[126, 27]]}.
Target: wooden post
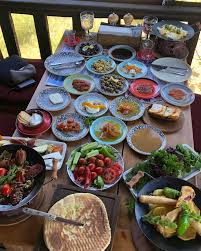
{"points": [[8, 31], [42, 31]]}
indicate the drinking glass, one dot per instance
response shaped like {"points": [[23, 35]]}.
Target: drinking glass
{"points": [[148, 22], [71, 37], [147, 54], [87, 21]]}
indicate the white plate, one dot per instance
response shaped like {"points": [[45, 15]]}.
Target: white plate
{"points": [[39, 142], [170, 77]]}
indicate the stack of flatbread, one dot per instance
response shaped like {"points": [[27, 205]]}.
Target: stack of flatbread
{"points": [[86, 208], [165, 112]]}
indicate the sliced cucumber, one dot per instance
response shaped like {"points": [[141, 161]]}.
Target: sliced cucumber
{"points": [[92, 153], [76, 158], [89, 146]]}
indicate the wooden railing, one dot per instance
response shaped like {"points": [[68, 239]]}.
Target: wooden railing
{"points": [[40, 9]]}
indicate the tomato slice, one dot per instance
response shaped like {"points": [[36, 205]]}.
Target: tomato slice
{"points": [[109, 176], [117, 169]]}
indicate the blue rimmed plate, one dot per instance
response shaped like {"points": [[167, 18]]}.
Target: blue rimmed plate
{"points": [[188, 98], [118, 159], [102, 70], [115, 105], [135, 129], [131, 74], [70, 136], [93, 98], [97, 132], [44, 102]]}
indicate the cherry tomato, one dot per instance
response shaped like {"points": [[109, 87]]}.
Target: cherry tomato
{"points": [[107, 161], [6, 190], [117, 168], [81, 170], [99, 162], [92, 167], [82, 161], [109, 176], [100, 156], [81, 180], [88, 180], [3, 171], [99, 170], [92, 160], [93, 175], [75, 172]]}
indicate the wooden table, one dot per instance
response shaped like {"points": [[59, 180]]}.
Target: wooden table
{"points": [[25, 235]]}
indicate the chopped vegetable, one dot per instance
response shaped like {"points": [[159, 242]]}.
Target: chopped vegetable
{"points": [[98, 182], [152, 219], [183, 223], [171, 193], [92, 153]]}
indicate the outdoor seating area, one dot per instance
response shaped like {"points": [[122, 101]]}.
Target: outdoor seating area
{"points": [[100, 141]]}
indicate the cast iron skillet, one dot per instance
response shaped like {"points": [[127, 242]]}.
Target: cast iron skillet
{"points": [[173, 243], [33, 157]]}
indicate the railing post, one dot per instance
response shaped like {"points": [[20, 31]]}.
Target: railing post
{"points": [[8, 31], [76, 22], [42, 31]]}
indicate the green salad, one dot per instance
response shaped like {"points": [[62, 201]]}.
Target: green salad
{"points": [[177, 162]]}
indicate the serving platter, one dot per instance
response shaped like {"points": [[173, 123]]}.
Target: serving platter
{"points": [[38, 142], [100, 122], [117, 101], [171, 77], [187, 100], [166, 126], [91, 97], [135, 63], [70, 136], [91, 61], [186, 27], [64, 58], [69, 80], [142, 126], [118, 159], [44, 102]]}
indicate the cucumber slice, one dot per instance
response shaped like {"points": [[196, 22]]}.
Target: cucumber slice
{"points": [[76, 158], [89, 146], [92, 153]]}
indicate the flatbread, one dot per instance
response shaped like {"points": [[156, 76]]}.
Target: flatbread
{"points": [[85, 208]]}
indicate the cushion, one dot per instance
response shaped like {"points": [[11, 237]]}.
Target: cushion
{"points": [[23, 96]]}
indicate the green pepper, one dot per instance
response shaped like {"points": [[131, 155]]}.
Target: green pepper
{"points": [[105, 152], [171, 193], [183, 223], [99, 182]]}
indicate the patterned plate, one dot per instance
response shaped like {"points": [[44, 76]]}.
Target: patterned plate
{"points": [[64, 57], [187, 100], [91, 97], [120, 92], [91, 61], [133, 62], [117, 101], [100, 122], [70, 136], [119, 159], [139, 127], [44, 102], [69, 80]]}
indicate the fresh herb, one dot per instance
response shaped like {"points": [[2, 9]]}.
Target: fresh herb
{"points": [[155, 219], [176, 162], [130, 205], [88, 121]]}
